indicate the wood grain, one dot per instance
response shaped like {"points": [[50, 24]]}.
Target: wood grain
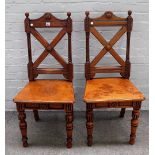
{"points": [[46, 91], [111, 90]]}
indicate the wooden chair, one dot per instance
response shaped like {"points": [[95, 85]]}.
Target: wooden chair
{"points": [[116, 92], [47, 94]]}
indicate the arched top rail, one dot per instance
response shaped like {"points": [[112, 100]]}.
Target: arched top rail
{"points": [[107, 19], [47, 20]]}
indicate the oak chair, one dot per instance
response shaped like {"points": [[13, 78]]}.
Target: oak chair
{"points": [[47, 94], [112, 92]]}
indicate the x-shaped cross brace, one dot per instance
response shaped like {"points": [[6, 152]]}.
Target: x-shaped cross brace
{"points": [[108, 46], [49, 48]]}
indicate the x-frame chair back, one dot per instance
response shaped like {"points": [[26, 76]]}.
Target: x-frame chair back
{"points": [[49, 21], [108, 19]]}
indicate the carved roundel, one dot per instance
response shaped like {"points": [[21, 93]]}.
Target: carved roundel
{"points": [[48, 48], [108, 47], [48, 16], [108, 14], [137, 104]]}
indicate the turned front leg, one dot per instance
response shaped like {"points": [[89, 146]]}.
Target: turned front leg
{"points": [[69, 124], [36, 115], [22, 124], [134, 123], [89, 124]]}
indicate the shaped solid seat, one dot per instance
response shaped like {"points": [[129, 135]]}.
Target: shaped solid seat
{"points": [[111, 90], [46, 91]]}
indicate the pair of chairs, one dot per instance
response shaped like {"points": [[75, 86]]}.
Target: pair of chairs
{"points": [[51, 94]]}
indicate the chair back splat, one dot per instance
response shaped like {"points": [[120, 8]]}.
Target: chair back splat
{"points": [[49, 21], [108, 19]]}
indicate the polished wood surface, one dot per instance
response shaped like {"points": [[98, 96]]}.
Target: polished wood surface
{"points": [[47, 94], [111, 90], [46, 91]]}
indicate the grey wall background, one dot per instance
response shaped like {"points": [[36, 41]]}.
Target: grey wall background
{"points": [[16, 46]]}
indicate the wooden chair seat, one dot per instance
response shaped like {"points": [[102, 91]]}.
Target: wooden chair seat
{"points": [[111, 90], [46, 91]]}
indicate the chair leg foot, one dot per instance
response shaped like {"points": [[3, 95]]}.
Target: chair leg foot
{"points": [[134, 124], [89, 140], [36, 115], [22, 125], [122, 112], [25, 144], [89, 124], [69, 143], [132, 140], [69, 124]]}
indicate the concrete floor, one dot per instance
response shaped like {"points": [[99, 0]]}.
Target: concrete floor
{"points": [[47, 137]]}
